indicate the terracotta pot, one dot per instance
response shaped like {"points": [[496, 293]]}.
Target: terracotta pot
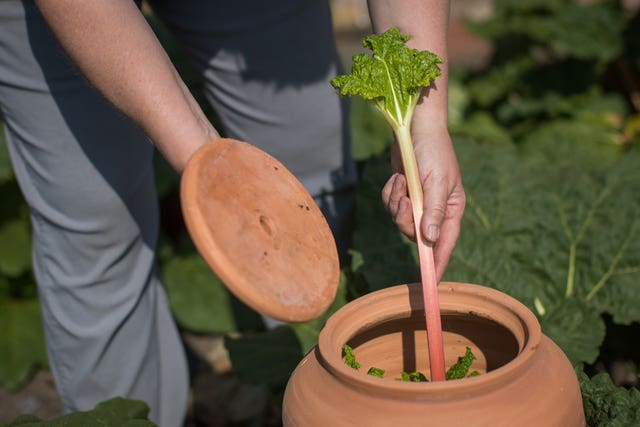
{"points": [[526, 380]]}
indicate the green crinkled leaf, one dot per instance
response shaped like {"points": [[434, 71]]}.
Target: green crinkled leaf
{"points": [[606, 405], [15, 247], [552, 221], [267, 358], [555, 221], [481, 126], [585, 31], [6, 170], [115, 412], [349, 357], [384, 257], [22, 347], [460, 369], [198, 299], [376, 372], [577, 329], [498, 81], [393, 76], [23, 420], [459, 99], [415, 377], [370, 134]]}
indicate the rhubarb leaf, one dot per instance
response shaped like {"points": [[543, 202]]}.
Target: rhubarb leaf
{"points": [[349, 357], [265, 358], [552, 221], [460, 369], [198, 298], [384, 256], [376, 372], [392, 76], [21, 341], [414, 377], [606, 405], [115, 412]]}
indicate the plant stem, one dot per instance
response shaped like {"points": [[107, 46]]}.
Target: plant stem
{"points": [[425, 256]]}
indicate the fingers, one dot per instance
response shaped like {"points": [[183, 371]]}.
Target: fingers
{"points": [[449, 230], [436, 195], [398, 204], [447, 242]]}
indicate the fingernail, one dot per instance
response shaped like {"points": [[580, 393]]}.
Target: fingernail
{"points": [[433, 232]]}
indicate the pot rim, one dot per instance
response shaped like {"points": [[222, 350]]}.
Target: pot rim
{"points": [[400, 301]]}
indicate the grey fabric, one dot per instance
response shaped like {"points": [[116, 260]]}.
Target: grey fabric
{"points": [[266, 67], [86, 173]]}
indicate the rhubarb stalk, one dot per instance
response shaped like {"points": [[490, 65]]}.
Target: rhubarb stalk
{"points": [[393, 79]]}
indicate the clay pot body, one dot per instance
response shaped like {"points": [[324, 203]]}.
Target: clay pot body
{"points": [[526, 380]]}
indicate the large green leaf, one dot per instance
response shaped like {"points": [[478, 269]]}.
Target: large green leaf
{"points": [[552, 221], [198, 299], [555, 225], [370, 133], [15, 247], [385, 257], [6, 170], [583, 30], [116, 412], [267, 358], [22, 347], [606, 405]]}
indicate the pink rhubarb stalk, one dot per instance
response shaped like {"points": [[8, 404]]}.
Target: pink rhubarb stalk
{"points": [[425, 256]]}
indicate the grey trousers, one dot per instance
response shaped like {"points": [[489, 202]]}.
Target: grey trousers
{"points": [[86, 173]]}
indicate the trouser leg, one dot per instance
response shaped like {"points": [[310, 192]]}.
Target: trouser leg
{"points": [[86, 174], [266, 69]]}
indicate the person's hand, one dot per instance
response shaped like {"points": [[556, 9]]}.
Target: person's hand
{"points": [[444, 196]]}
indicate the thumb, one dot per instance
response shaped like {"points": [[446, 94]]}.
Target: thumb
{"points": [[435, 208]]}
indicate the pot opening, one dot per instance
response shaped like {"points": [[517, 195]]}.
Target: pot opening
{"points": [[399, 345]]}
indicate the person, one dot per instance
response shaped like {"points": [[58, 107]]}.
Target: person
{"points": [[84, 87]]}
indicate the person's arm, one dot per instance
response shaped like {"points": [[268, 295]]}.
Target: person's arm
{"points": [[116, 50], [426, 22]]}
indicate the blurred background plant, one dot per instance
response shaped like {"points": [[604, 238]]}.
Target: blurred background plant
{"points": [[544, 112]]}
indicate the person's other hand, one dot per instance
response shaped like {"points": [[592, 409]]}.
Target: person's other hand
{"points": [[444, 196]]}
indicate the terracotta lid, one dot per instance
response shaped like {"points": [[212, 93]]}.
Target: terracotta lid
{"points": [[260, 231]]}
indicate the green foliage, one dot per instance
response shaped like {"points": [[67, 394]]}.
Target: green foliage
{"points": [[606, 405], [267, 358], [22, 349], [551, 220], [460, 369], [198, 299], [15, 247], [370, 134], [552, 178], [549, 62], [582, 30], [382, 257], [392, 77], [21, 341], [414, 377], [376, 372], [116, 412], [349, 357], [6, 171]]}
